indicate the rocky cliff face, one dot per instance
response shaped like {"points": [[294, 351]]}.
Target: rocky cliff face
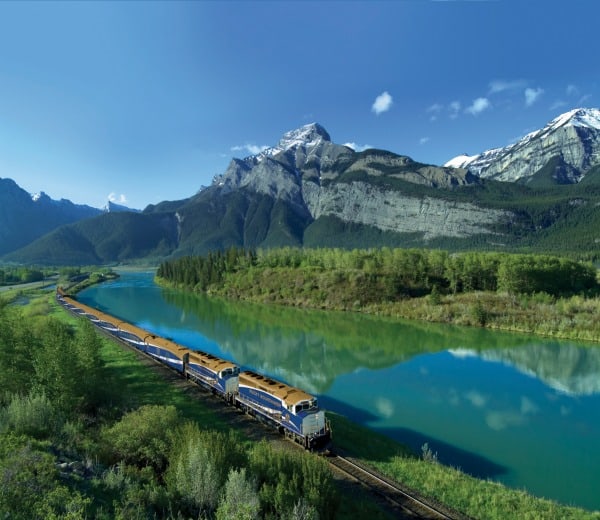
{"points": [[570, 142], [311, 173], [390, 210]]}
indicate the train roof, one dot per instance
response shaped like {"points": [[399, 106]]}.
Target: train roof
{"points": [[94, 312], [210, 361], [289, 394], [167, 344], [124, 326]]}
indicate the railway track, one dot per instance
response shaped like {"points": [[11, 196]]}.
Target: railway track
{"points": [[402, 502]]}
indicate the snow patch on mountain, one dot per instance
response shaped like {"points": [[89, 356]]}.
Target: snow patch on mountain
{"points": [[307, 136], [573, 136]]}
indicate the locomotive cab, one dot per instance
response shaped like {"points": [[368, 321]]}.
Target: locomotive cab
{"points": [[229, 379]]}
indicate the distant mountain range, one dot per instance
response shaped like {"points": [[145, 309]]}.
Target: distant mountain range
{"points": [[24, 218], [541, 193]]}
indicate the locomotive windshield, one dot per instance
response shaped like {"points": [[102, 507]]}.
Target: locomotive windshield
{"points": [[306, 405], [228, 372]]}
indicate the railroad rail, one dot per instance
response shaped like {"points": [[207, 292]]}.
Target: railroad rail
{"points": [[403, 502]]}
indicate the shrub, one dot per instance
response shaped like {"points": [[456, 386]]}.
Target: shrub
{"points": [[142, 437], [32, 415]]}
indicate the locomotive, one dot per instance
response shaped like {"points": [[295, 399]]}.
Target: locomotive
{"points": [[292, 411]]}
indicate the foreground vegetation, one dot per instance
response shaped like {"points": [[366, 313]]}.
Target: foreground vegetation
{"points": [[538, 294], [87, 432]]}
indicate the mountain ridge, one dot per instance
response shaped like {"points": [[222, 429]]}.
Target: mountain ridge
{"points": [[573, 137], [309, 191], [25, 217]]}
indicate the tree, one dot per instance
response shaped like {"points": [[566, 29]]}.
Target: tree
{"points": [[240, 499], [200, 464], [29, 485], [56, 366]]}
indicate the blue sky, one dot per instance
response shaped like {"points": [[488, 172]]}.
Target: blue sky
{"points": [[146, 101]]}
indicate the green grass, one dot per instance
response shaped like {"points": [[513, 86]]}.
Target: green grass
{"points": [[474, 497]]}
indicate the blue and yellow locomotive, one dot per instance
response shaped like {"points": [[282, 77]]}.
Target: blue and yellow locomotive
{"points": [[291, 410]]}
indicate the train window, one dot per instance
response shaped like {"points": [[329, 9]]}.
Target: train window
{"points": [[306, 405], [232, 371]]}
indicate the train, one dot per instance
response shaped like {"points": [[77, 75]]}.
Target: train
{"points": [[292, 411]]}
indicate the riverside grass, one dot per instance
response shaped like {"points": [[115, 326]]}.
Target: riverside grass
{"points": [[569, 317], [476, 498]]}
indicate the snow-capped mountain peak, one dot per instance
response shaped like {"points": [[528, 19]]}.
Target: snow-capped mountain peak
{"points": [[585, 117], [37, 196], [307, 136], [461, 161], [572, 138]]}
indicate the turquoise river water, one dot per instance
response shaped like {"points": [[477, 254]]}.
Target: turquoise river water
{"points": [[520, 410]]}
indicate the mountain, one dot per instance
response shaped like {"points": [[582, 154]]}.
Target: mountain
{"points": [[112, 207], [562, 152], [309, 191], [106, 238], [25, 217]]}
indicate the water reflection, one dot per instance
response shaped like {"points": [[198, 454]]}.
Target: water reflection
{"points": [[566, 367], [510, 407], [314, 347]]}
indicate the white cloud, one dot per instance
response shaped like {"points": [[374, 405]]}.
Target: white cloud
{"points": [[358, 147], [528, 407], [500, 85], [382, 103], [478, 106], [385, 407], [423, 140], [559, 103], [253, 149], [121, 199], [584, 99], [572, 90], [434, 110], [532, 95], [454, 109], [501, 420]]}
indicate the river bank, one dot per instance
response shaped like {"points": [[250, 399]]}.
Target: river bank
{"points": [[572, 318]]}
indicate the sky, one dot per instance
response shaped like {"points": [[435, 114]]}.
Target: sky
{"points": [[139, 102]]}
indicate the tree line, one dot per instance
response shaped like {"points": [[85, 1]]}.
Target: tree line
{"points": [[399, 272], [14, 275]]}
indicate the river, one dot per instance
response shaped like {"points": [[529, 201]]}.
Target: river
{"points": [[516, 409]]}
